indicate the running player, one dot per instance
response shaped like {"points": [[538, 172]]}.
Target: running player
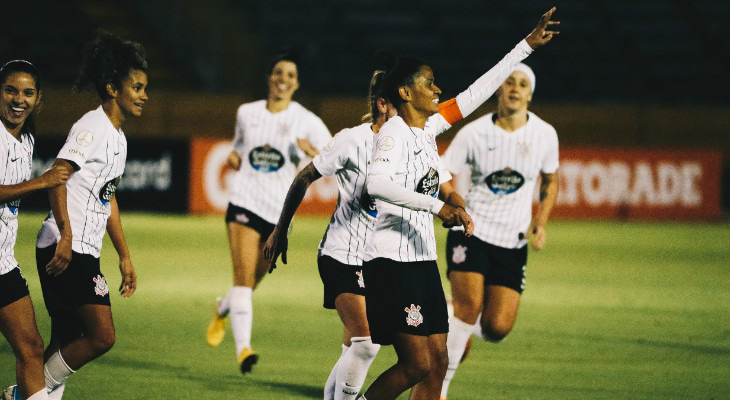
{"points": [[405, 301], [69, 243], [341, 251], [505, 152], [271, 137], [20, 93]]}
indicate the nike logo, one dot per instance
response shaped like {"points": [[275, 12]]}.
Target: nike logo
{"points": [[14, 159], [491, 148], [418, 152]]}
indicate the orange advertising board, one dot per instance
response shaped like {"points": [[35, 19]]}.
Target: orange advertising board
{"points": [[594, 183]]}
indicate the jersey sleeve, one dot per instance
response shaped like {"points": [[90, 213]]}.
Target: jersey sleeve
{"points": [[454, 157], [81, 145], [388, 153], [238, 134], [317, 133], [551, 161], [333, 155], [484, 87]]}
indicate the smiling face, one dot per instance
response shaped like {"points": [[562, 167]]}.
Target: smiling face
{"points": [[424, 94], [515, 94], [18, 99], [283, 81], [132, 96]]}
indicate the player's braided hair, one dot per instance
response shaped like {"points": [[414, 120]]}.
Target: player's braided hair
{"points": [[30, 69], [400, 71], [109, 59]]}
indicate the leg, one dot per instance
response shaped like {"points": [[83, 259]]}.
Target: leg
{"points": [[17, 324], [500, 312], [244, 243], [467, 292], [353, 367], [414, 364], [99, 336], [430, 387]]}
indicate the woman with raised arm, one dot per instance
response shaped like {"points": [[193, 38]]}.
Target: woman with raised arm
{"points": [[69, 243]]}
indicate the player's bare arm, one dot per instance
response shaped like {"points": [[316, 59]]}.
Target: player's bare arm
{"points": [[543, 34], [277, 242], [548, 196], [54, 176], [307, 147], [57, 199], [116, 234], [234, 160], [453, 213]]}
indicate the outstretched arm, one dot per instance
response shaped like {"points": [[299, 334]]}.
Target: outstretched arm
{"points": [[277, 242], [548, 196], [53, 177]]}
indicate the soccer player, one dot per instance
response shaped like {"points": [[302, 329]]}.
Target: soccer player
{"points": [[20, 93], [400, 272], [341, 251], [506, 152], [271, 137], [69, 243]]}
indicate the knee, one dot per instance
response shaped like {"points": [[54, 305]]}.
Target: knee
{"points": [[31, 348], [495, 331], [103, 342], [416, 372], [440, 363]]}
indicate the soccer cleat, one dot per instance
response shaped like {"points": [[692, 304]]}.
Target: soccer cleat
{"points": [[11, 393], [247, 359], [467, 349], [217, 327]]}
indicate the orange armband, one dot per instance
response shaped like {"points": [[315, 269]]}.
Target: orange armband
{"points": [[450, 111]]}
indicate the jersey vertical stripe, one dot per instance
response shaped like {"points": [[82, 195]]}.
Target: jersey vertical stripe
{"points": [[16, 163], [504, 167], [267, 145], [99, 151]]}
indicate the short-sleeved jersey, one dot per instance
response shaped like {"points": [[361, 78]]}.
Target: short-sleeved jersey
{"points": [[16, 164], [504, 169], [267, 145], [408, 157], [99, 152]]}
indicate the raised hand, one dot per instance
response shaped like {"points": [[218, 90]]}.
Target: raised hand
{"points": [[542, 34]]}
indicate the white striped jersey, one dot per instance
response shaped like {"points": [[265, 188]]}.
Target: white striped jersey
{"points": [[267, 145], [99, 151], [504, 169], [408, 157], [16, 163]]}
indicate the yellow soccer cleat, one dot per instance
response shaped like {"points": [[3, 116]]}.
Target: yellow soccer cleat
{"points": [[216, 328], [247, 359]]}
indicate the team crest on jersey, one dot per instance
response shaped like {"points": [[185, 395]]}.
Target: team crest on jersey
{"points": [[386, 143], [101, 287], [360, 280], [107, 191], [506, 181], [459, 255], [242, 218], [266, 159], [523, 148], [414, 317], [429, 184]]}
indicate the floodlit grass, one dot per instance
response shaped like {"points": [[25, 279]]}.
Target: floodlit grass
{"points": [[612, 310]]}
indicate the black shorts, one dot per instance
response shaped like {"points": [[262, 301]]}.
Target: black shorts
{"points": [[339, 278], [500, 266], [80, 284], [245, 217], [13, 287], [404, 297]]}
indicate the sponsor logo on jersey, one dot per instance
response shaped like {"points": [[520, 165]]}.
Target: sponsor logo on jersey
{"points": [[504, 182], [368, 204], [101, 288], [266, 159], [459, 255], [414, 317], [107, 191], [360, 280], [429, 184]]}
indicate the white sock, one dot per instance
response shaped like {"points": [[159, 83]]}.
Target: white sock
{"points": [[57, 393], [459, 333], [39, 395], [353, 367], [478, 328], [56, 371], [225, 304], [329, 386], [241, 316]]}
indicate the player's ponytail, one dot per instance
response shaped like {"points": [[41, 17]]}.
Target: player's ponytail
{"points": [[109, 60]]}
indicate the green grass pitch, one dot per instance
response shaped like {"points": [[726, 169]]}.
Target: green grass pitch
{"points": [[612, 310]]}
